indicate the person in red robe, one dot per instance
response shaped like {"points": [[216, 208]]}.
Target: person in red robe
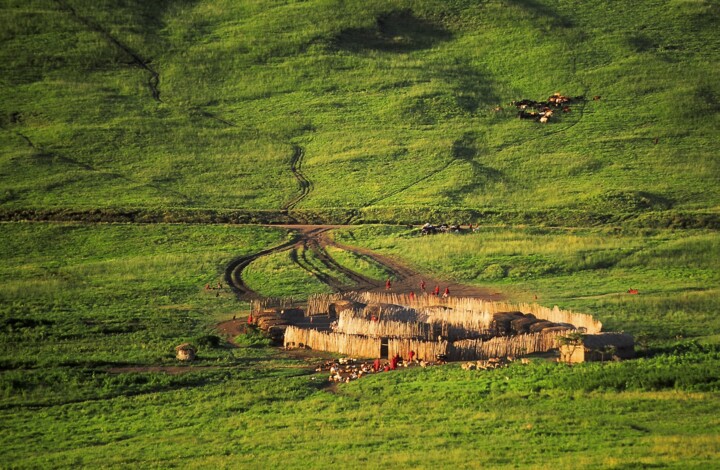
{"points": [[388, 285], [447, 292], [394, 362], [376, 365], [436, 291]]}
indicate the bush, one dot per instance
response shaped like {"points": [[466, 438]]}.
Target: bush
{"points": [[493, 272]]}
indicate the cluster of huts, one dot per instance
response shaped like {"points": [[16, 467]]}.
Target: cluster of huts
{"points": [[383, 325]]}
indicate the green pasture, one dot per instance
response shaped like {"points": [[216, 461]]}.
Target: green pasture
{"points": [[81, 302], [193, 111], [393, 103]]}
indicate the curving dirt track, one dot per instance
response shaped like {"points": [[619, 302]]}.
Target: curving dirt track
{"points": [[305, 184], [315, 239]]}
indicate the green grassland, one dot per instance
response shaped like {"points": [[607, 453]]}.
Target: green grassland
{"points": [[218, 111], [392, 102], [81, 300]]}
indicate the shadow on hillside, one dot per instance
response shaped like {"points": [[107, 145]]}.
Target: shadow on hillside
{"points": [[540, 10], [466, 151], [472, 87], [396, 31]]}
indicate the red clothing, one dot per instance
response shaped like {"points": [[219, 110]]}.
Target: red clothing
{"points": [[387, 284], [412, 295], [411, 354], [250, 319], [376, 365], [447, 292], [437, 290], [393, 362]]}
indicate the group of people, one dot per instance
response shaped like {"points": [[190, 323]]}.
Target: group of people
{"points": [[208, 287], [423, 289]]}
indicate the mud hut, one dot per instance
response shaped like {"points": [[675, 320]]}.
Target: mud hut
{"points": [[185, 352], [599, 347]]}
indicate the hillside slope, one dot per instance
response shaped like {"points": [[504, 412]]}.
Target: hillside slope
{"points": [[279, 105]]}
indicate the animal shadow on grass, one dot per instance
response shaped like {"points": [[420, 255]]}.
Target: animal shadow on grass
{"points": [[465, 151], [396, 31], [543, 11]]}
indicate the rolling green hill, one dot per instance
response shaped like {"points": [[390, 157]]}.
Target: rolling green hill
{"points": [[380, 105], [213, 113]]}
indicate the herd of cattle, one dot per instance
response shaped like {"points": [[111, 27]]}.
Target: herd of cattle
{"points": [[542, 111], [430, 229]]}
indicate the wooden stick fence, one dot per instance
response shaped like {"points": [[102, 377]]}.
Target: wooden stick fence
{"points": [[424, 350], [513, 346], [350, 323], [257, 306], [320, 304], [477, 313], [352, 345]]}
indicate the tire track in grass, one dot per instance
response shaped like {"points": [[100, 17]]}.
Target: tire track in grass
{"points": [[359, 281], [306, 186], [233, 272], [314, 239], [309, 239], [333, 282]]}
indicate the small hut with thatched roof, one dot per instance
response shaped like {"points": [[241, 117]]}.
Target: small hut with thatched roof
{"points": [[599, 347], [185, 352]]}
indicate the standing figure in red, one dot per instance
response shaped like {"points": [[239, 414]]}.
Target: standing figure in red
{"points": [[376, 365], [422, 286], [387, 284], [412, 295], [446, 294], [436, 291], [394, 361], [411, 355]]}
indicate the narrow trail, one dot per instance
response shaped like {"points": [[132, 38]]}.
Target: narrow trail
{"points": [[305, 184], [41, 152], [314, 239], [138, 61], [413, 184]]}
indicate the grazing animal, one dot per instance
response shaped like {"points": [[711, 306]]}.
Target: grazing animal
{"points": [[596, 98]]}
